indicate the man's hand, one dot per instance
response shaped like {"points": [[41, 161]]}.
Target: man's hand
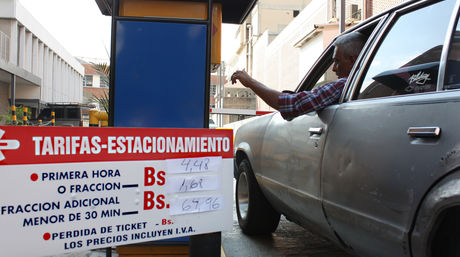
{"points": [[243, 77], [270, 96]]}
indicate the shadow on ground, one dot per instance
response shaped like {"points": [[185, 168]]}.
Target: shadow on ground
{"points": [[289, 240]]}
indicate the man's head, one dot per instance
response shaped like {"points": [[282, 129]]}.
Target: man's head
{"points": [[346, 51]]}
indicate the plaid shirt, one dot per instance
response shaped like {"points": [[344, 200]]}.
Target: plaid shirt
{"points": [[293, 105]]}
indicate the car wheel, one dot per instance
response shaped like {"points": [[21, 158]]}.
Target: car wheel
{"points": [[445, 241], [255, 214]]}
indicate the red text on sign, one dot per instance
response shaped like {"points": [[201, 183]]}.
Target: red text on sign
{"points": [[151, 177], [152, 201]]}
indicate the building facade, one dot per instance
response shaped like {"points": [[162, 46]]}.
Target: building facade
{"points": [[281, 55], [95, 83], [34, 68]]}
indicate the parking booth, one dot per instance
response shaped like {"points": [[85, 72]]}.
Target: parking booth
{"points": [[161, 58]]}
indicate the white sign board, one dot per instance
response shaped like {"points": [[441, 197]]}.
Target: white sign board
{"points": [[71, 189]]}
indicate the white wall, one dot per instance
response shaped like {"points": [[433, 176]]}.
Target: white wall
{"points": [[28, 21], [37, 52], [309, 53], [27, 92], [281, 64]]}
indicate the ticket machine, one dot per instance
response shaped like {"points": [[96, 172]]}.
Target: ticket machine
{"points": [[162, 54]]}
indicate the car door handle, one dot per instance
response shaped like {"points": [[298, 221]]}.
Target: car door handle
{"points": [[424, 131], [315, 131]]}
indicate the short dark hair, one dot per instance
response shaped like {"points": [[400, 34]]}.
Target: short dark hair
{"points": [[351, 43]]}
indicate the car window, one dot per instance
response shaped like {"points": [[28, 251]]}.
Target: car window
{"points": [[327, 77], [320, 73], [407, 60], [452, 77]]}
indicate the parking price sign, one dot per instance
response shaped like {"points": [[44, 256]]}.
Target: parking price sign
{"points": [[69, 189]]}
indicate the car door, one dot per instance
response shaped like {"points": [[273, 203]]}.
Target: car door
{"points": [[293, 150], [385, 148], [291, 155]]}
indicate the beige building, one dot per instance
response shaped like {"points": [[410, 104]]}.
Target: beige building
{"points": [[228, 98], [266, 21], [95, 83], [281, 40]]}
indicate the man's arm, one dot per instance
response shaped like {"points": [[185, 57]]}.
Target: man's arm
{"points": [[270, 96], [293, 105]]}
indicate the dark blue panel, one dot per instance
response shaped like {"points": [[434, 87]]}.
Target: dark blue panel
{"points": [[160, 74]]}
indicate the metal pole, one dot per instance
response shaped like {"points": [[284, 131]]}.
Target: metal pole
{"points": [[115, 14], [13, 89], [342, 16], [218, 103], [13, 99], [208, 65], [53, 118], [24, 118], [108, 252], [364, 10], [222, 95], [13, 115]]}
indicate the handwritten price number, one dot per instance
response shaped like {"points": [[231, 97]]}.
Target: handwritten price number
{"points": [[191, 185], [195, 165], [192, 205], [211, 202]]}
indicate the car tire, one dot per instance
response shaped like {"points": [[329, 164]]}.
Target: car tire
{"points": [[445, 241], [255, 214]]}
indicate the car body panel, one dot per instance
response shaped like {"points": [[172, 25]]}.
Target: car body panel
{"points": [[366, 181], [374, 164], [292, 153], [247, 142]]}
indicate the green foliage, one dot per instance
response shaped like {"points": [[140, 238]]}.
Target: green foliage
{"points": [[103, 101], [8, 118], [102, 67]]}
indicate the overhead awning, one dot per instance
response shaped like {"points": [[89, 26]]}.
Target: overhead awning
{"points": [[233, 11]]}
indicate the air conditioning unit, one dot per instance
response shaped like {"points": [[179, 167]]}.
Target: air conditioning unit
{"points": [[353, 12]]}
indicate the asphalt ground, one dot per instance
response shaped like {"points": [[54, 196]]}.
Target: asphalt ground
{"points": [[289, 240], [93, 253]]}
